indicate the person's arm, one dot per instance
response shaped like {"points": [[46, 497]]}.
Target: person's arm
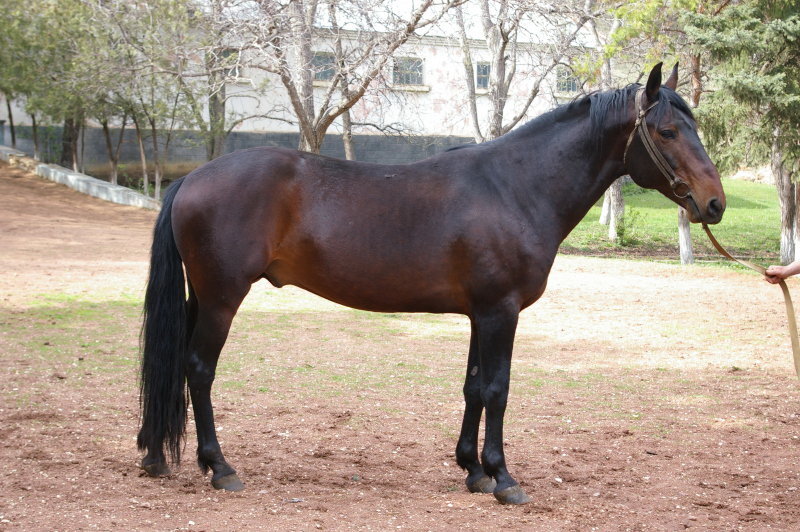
{"points": [[776, 273]]}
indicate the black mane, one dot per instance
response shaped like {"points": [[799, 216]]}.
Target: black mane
{"points": [[604, 107]]}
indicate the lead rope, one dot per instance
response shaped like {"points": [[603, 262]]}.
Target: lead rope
{"points": [[787, 298]]}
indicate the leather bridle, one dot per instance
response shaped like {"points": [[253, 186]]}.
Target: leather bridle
{"points": [[679, 187], [682, 190]]}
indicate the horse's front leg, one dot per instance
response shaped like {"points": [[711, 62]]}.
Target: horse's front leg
{"points": [[467, 449], [496, 331]]}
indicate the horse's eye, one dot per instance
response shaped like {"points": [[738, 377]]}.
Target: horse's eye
{"points": [[667, 133]]}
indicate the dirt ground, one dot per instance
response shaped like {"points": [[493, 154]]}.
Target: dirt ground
{"points": [[645, 396]]}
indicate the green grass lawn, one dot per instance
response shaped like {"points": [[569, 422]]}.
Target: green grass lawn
{"points": [[750, 227]]}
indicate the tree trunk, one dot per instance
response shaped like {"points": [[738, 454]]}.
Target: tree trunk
{"points": [[469, 76], [788, 216], [685, 237], [215, 145], [697, 81], [82, 158], [347, 137], [613, 212], [301, 21], [796, 222], [786, 195], [310, 144], [796, 231], [110, 149], [37, 152], [498, 90], [69, 144], [684, 232], [142, 156], [616, 223], [158, 168], [605, 212], [11, 127], [120, 139]]}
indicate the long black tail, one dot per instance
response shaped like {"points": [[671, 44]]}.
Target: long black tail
{"points": [[162, 392]]}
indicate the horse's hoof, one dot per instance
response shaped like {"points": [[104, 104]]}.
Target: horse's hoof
{"points": [[229, 482], [156, 469], [512, 495], [485, 484]]}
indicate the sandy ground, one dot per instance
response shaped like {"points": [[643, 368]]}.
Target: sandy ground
{"points": [[645, 396]]}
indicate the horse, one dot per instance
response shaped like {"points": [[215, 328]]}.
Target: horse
{"points": [[472, 231]]}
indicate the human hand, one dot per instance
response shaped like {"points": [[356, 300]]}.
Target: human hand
{"points": [[775, 274]]}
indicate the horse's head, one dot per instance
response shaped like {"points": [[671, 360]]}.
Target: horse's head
{"points": [[665, 153]]}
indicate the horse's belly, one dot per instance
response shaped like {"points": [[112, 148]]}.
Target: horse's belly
{"points": [[389, 290]]}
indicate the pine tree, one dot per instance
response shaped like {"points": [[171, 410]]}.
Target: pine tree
{"points": [[753, 115]]}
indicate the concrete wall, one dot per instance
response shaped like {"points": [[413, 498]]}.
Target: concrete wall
{"points": [[186, 150], [80, 182]]}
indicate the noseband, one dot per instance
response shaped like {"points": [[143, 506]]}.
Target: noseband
{"points": [[679, 187]]}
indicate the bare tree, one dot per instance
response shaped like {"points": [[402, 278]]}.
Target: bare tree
{"points": [[351, 41], [516, 55], [206, 62], [613, 211]]}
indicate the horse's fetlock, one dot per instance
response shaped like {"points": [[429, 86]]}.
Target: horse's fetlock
{"points": [[492, 461], [466, 455], [210, 455]]}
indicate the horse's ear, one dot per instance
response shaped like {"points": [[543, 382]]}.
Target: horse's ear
{"points": [[653, 83], [672, 81]]}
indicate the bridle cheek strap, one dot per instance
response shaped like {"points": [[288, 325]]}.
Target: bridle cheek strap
{"points": [[640, 127]]}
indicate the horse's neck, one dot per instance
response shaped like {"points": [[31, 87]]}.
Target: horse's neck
{"points": [[571, 172]]}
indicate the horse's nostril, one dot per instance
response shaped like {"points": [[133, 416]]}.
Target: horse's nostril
{"points": [[715, 207]]}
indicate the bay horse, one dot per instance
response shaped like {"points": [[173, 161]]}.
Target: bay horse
{"points": [[472, 230]]}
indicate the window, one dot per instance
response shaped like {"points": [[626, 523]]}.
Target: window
{"points": [[482, 72], [230, 62], [324, 66], [566, 81], [407, 71]]}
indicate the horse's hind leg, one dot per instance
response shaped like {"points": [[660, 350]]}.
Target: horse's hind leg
{"points": [[154, 463], [214, 315], [467, 449]]}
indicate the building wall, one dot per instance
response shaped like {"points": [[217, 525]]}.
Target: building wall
{"points": [[437, 107]]}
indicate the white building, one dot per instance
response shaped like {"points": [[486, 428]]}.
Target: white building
{"points": [[421, 92]]}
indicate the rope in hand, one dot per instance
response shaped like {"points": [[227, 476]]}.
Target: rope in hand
{"points": [[786, 297]]}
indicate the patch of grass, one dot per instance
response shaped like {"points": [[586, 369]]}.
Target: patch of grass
{"points": [[750, 227], [233, 385], [72, 340]]}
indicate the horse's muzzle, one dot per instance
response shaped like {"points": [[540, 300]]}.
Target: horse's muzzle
{"points": [[714, 210]]}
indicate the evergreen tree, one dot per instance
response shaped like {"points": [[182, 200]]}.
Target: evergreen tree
{"points": [[753, 113]]}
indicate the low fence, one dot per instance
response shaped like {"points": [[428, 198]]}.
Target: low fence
{"points": [[77, 181]]}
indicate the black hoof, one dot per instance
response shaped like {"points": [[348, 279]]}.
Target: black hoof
{"points": [[484, 484], [229, 482], [156, 469], [512, 495]]}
